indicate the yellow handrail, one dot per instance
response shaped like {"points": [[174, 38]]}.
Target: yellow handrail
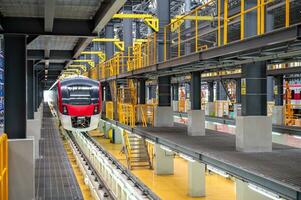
{"points": [[109, 110], [3, 167]]}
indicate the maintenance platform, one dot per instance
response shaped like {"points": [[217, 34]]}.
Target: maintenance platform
{"points": [[150, 99]]}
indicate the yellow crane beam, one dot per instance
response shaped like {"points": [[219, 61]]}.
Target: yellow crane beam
{"points": [[83, 67], [117, 42], [90, 62], [178, 20], [100, 54], [150, 20]]}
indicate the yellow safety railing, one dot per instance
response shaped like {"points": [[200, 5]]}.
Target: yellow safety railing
{"points": [[3, 167], [109, 110], [126, 114], [127, 147], [187, 34], [94, 72], [143, 53], [146, 114]]}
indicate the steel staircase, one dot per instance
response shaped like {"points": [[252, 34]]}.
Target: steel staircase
{"points": [[136, 152]]}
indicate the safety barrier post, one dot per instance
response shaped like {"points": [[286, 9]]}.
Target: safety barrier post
{"points": [[3, 167]]}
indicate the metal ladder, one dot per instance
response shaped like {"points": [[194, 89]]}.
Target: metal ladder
{"points": [[136, 152]]}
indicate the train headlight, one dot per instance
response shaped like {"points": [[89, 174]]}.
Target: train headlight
{"points": [[65, 110], [96, 110]]}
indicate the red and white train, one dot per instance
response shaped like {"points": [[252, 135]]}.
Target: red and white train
{"points": [[78, 103]]}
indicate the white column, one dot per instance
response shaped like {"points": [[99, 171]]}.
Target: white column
{"points": [[21, 172], [163, 162], [196, 123], [196, 179], [277, 116], [163, 116], [253, 134], [34, 130]]}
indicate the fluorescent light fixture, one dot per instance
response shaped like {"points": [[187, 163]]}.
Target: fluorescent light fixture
{"points": [[216, 123], [149, 141], [231, 126], [218, 171], [165, 148], [188, 158], [298, 137], [264, 192], [138, 136], [275, 133]]}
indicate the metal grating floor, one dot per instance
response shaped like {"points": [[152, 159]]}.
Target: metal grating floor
{"points": [[55, 179]]}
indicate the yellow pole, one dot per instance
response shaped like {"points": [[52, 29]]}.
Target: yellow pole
{"points": [[242, 20], [196, 31], [287, 13], [258, 17], [225, 22], [262, 16], [219, 23]]}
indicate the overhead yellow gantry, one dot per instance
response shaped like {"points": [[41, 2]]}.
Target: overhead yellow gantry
{"points": [[90, 62], [100, 54], [150, 20], [117, 42], [83, 67], [177, 21]]}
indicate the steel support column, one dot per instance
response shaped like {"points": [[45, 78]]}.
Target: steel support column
{"points": [[278, 90], [195, 91], [127, 29], [250, 19], [141, 99], [36, 91], [108, 96], [238, 90], [164, 90], [254, 89], [175, 92], [210, 91], [109, 46], [270, 89], [220, 91], [30, 95], [163, 13], [187, 26], [15, 85]]}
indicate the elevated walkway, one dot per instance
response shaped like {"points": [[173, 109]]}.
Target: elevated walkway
{"points": [[275, 171], [54, 175]]}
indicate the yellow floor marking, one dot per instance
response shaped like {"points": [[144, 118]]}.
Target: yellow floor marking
{"points": [[175, 186], [79, 176]]}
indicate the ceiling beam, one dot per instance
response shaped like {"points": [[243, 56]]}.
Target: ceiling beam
{"points": [[105, 13], [52, 66], [49, 12], [35, 26], [54, 55]]}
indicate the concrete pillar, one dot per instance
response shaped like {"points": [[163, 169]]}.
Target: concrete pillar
{"points": [[196, 116], [21, 173], [163, 13], [36, 82], [163, 161], [196, 179], [141, 93], [30, 97], [109, 46], [164, 112], [254, 127], [244, 192], [15, 85], [270, 91]]}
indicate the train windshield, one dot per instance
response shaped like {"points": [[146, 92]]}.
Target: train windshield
{"points": [[80, 95]]}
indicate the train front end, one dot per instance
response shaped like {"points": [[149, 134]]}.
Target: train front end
{"points": [[79, 103]]}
